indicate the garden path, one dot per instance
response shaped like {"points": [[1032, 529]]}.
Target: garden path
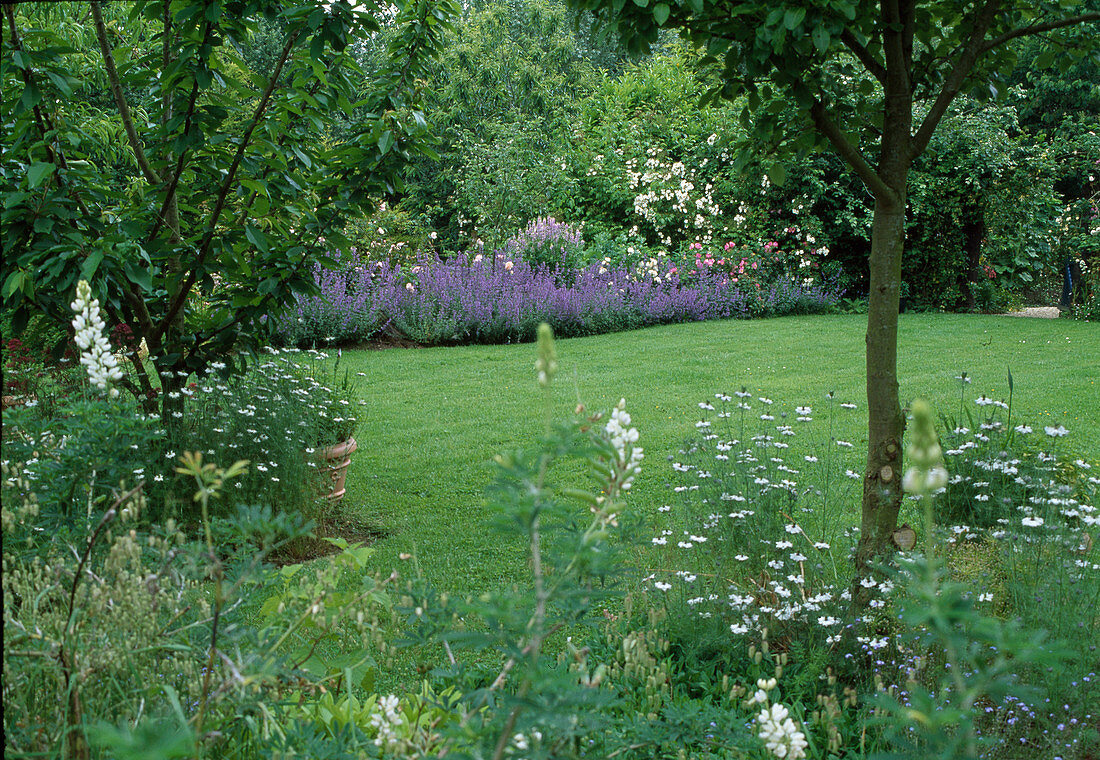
{"points": [[1043, 312]]}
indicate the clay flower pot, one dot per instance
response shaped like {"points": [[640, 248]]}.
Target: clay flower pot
{"points": [[334, 468]]}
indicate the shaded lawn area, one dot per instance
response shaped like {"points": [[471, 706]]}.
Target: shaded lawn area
{"points": [[437, 416]]}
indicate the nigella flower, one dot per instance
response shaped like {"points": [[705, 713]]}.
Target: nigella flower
{"points": [[1032, 522], [1056, 432]]}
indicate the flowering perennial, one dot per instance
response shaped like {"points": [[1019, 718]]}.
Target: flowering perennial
{"points": [[91, 337], [782, 737], [387, 720], [623, 438]]}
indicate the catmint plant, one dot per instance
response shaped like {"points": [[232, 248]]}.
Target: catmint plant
{"points": [[548, 243], [500, 297]]}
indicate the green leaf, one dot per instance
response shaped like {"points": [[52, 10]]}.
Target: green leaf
{"points": [[302, 156], [821, 38], [31, 97], [91, 264], [38, 172], [255, 186], [777, 174], [61, 82], [794, 17], [641, 3], [14, 282], [660, 13], [256, 237], [385, 142], [139, 275]]}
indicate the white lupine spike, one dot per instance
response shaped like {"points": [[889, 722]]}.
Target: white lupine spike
{"points": [[95, 349]]}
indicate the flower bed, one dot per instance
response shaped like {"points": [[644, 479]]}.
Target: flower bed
{"points": [[500, 298]]}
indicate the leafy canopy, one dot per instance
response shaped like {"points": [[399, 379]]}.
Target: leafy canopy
{"points": [[145, 154]]}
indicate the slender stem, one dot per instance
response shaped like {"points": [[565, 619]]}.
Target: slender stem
{"points": [[196, 269], [120, 98]]}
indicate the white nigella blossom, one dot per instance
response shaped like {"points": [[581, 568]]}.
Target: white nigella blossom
{"points": [[95, 349], [1056, 432]]}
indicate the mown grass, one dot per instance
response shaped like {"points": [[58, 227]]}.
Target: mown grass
{"points": [[435, 417]]}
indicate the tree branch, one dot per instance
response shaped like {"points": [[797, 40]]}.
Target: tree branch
{"points": [[45, 125], [1038, 29], [170, 196], [983, 20], [204, 247], [849, 152], [119, 96], [864, 56], [166, 107]]}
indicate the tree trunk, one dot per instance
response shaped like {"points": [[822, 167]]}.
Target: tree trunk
{"points": [[885, 422], [973, 234]]}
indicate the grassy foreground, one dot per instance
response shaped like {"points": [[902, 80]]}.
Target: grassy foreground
{"points": [[435, 417]]}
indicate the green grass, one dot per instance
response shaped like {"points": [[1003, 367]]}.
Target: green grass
{"points": [[435, 417]]}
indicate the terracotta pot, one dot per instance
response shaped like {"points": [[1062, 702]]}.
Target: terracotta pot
{"points": [[334, 468]]}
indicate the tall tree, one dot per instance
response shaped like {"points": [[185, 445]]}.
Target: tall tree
{"points": [[909, 60], [197, 210]]}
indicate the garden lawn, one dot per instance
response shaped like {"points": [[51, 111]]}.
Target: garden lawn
{"points": [[435, 417]]}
